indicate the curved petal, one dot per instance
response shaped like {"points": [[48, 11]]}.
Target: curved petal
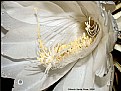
{"points": [[11, 69], [86, 69], [36, 81], [70, 7], [55, 75], [81, 76], [45, 5], [29, 13], [26, 14], [23, 36], [29, 79], [18, 42], [96, 65], [21, 41], [47, 35], [91, 7], [10, 23], [11, 5], [19, 50], [64, 27], [100, 55]]}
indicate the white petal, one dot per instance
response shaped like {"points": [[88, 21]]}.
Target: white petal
{"points": [[55, 75], [26, 14], [45, 5], [37, 80], [70, 7], [22, 37], [10, 23], [67, 29], [11, 5], [34, 80], [81, 76], [19, 50], [31, 78], [20, 42], [89, 7], [11, 69], [100, 54], [85, 69], [99, 60]]}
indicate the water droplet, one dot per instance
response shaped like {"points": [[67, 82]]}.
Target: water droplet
{"points": [[20, 82]]}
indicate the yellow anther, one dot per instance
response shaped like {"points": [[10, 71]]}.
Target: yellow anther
{"points": [[46, 55]]}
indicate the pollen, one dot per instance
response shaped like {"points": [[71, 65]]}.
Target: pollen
{"points": [[49, 58]]}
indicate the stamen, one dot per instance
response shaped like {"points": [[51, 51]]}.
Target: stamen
{"points": [[92, 29], [50, 58]]}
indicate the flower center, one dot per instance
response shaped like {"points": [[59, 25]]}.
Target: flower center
{"points": [[49, 58]]}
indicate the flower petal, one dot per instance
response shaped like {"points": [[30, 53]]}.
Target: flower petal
{"points": [[11, 69], [20, 42], [19, 50], [90, 7], [36, 81], [23, 36], [83, 71], [45, 5], [31, 79], [10, 23], [86, 67], [94, 63], [26, 14], [69, 7]]}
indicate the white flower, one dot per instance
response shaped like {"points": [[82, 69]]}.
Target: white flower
{"points": [[59, 23]]}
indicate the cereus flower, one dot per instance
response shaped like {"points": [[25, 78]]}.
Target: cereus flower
{"points": [[59, 39]]}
